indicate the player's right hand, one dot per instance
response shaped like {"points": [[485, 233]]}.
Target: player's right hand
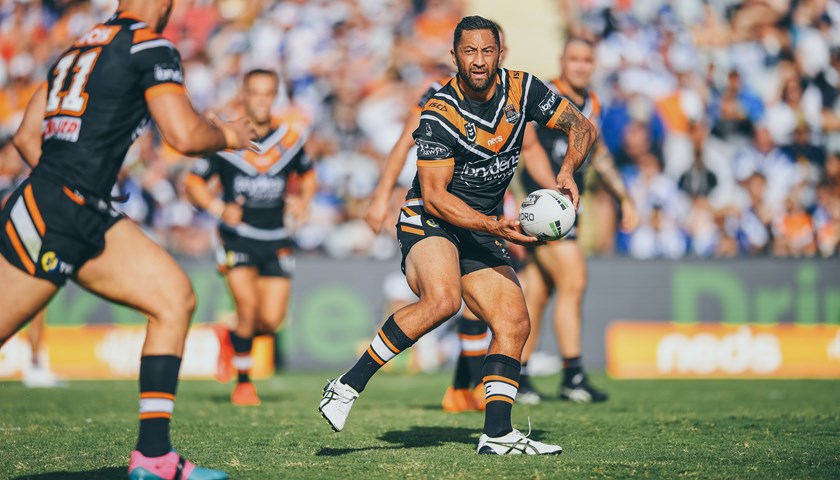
{"points": [[232, 214], [376, 212], [509, 230], [238, 133], [245, 133]]}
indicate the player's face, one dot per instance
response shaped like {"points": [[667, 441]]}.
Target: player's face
{"points": [[165, 12], [477, 59], [259, 94], [577, 64]]}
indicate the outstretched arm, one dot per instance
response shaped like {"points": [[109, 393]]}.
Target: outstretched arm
{"points": [[604, 165], [27, 139], [378, 208], [192, 134]]}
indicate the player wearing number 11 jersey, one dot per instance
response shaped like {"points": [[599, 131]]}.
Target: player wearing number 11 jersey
{"points": [[59, 224]]}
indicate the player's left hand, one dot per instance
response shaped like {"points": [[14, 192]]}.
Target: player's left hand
{"points": [[567, 186]]}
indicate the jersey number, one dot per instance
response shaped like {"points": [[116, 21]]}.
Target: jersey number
{"points": [[72, 101]]}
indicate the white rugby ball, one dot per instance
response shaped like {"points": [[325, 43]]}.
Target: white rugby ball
{"points": [[547, 214]]}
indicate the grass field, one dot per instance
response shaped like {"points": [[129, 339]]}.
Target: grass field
{"points": [[648, 429]]}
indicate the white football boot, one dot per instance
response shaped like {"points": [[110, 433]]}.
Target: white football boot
{"points": [[337, 402], [515, 443]]}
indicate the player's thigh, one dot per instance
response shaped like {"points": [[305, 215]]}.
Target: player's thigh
{"points": [[495, 296], [565, 263], [242, 283], [433, 273], [21, 297], [133, 270], [274, 293], [536, 285]]}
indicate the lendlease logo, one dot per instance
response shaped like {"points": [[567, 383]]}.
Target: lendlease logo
{"points": [[496, 167]]}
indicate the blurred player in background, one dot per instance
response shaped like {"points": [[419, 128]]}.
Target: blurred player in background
{"points": [[256, 257], [469, 141], [560, 266], [59, 223]]}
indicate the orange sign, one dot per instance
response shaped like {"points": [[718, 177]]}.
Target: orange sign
{"points": [[113, 352], [669, 350]]}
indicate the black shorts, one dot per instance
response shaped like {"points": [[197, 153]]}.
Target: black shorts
{"points": [[273, 258], [476, 250], [51, 231]]}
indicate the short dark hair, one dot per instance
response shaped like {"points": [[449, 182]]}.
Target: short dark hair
{"points": [[475, 22], [259, 71], [576, 39]]}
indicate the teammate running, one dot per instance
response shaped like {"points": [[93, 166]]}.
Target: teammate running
{"points": [[561, 266], [59, 223], [257, 256], [469, 140]]}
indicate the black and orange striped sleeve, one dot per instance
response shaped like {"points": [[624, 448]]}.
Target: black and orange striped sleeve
{"points": [[157, 63], [542, 104], [435, 138]]}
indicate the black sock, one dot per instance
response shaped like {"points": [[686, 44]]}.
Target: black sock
{"points": [[158, 382], [524, 377], [388, 342], [473, 336], [572, 367], [501, 381], [242, 356]]}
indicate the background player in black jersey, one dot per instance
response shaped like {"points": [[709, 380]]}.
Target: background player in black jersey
{"points": [[256, 258], [561, 266], [469, 140], [59, 223]]}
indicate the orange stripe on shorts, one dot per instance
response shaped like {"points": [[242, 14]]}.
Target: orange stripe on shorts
{"points": [[24, 257], [34, 212]]}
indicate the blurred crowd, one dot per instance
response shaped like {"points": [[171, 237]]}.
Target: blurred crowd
{"points": [[722, 115]]}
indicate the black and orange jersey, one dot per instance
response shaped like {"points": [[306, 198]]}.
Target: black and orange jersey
{"points": [[96, 101], [482, 140], [257, 180], [556, 142]]}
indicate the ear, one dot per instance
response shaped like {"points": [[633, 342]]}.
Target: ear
{"points": [[454, 59]]}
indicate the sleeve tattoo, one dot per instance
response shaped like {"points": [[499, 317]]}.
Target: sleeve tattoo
{"points": [[577, 127]]}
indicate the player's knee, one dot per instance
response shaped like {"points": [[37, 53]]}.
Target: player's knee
{"points": [[442, 304], [573, 286], [178, 303], [513, 330]]}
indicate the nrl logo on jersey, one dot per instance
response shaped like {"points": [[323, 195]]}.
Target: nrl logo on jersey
{"points": [[470, 128], [511, 115], [429, 149]]}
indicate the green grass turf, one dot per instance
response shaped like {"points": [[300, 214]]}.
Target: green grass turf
{"points": [[648, 429]]}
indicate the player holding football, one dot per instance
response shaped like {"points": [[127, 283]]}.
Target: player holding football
{"points": [[469, 140], [257, 250], [466, 393], [560, 266], [59, 224]]}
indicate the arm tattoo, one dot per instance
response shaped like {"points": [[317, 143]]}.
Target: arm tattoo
{"points": [[578, 128]]}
